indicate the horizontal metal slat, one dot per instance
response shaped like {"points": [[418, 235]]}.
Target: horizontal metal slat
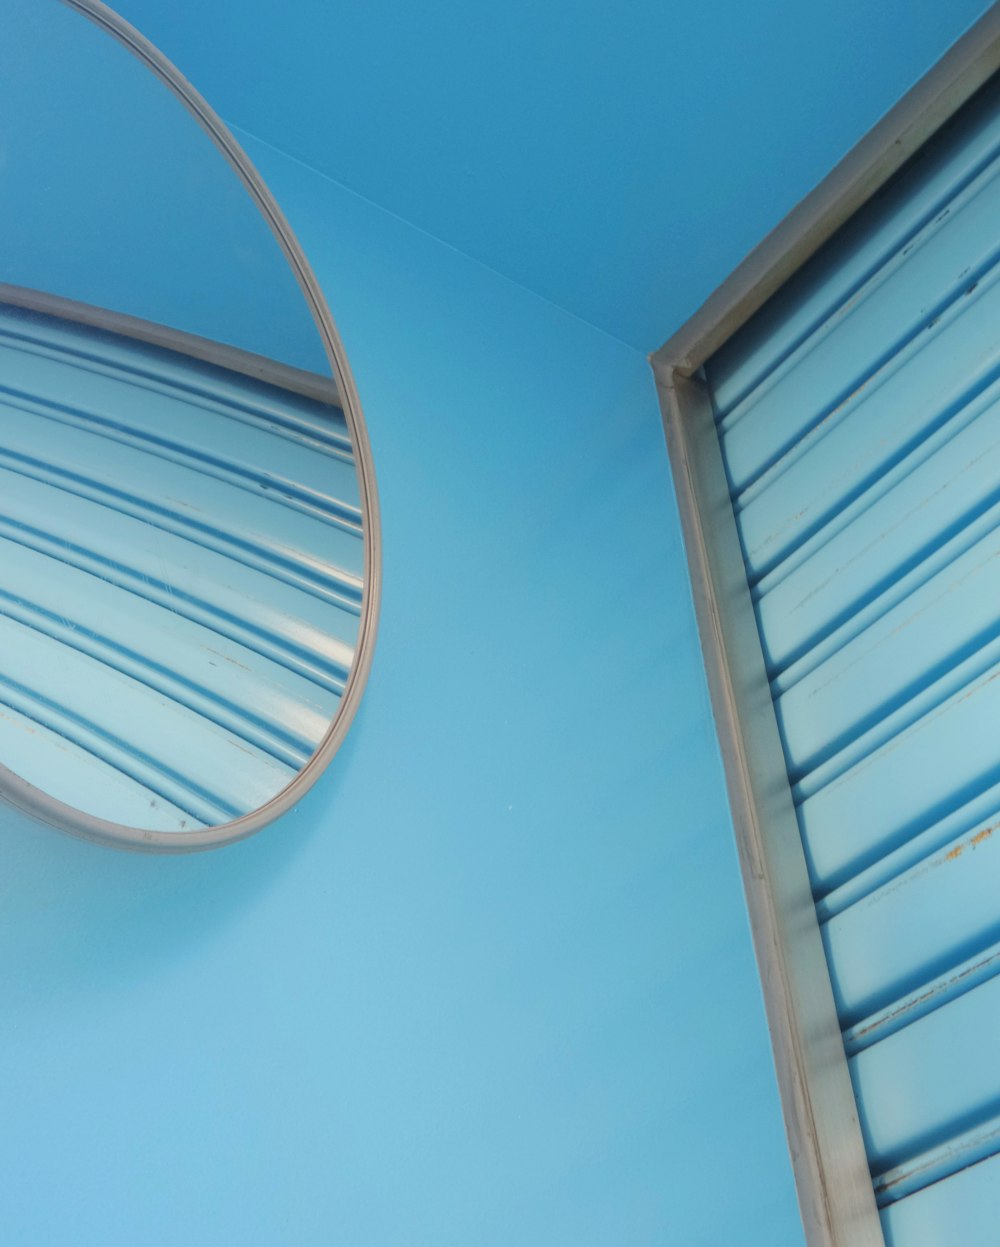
{"points": [[941, 833], [80, 779], [884, 948], [905, 205], [319, 425], [933, 767], [204, 437], [299, 631], [295, 548], [176, 752], [937, 1079], [958, 1151], [953, 251], [912, 529], [936, 993], [938, 374], [868, 690], [982, 658], [961, 1211], [263, 702]]}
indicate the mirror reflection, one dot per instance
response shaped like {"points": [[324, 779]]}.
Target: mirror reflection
{"points": [[182, 547]]}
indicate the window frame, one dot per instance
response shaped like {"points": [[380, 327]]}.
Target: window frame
{"points": [[830, 1165]]}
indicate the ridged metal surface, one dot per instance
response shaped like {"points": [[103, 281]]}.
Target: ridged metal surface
{"points": [[182, 567], [859, 415]]}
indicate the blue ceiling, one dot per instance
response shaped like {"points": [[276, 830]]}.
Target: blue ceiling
{"points": [[618, 159]]}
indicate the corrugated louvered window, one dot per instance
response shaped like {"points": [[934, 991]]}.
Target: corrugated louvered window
{"points": [[181, 583], [859, 419]]}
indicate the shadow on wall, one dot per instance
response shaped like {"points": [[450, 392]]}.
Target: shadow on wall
{"points": [[78, 917]]}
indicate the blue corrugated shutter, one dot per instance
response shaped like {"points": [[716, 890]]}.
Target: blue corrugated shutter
{"points": [[180, 576], [859, 416]]}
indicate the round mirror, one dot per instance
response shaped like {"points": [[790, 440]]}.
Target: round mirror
{"points": [[188, 524]]}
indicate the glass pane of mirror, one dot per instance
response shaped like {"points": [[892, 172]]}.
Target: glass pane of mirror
{"points": [[182, 536]]}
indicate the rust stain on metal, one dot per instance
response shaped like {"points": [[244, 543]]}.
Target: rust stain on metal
{"points": [[849, 399], [898, 1011], [941, 987], [978, 838], [225, 658]]}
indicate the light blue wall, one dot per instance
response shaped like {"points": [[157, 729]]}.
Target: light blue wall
{"points": [[619, 159], [491, 983]]}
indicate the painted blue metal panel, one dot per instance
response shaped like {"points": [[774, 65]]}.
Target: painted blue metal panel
{"points": [[963, 1209], [859, 416], [900, 301], [926, 513], [864, 245], [182, 576]]}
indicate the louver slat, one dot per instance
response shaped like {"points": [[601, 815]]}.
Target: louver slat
{"points": [[181, 561], [859, 418]]}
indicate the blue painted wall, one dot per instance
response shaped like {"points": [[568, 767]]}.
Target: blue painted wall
{"points": [[491, 982], [619, 159]]}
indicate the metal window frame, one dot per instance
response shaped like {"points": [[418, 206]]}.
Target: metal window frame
{"points": [[832, 1177], [33, 801]]}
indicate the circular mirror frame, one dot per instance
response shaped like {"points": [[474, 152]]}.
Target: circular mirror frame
{"points": [[36, 802]]}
